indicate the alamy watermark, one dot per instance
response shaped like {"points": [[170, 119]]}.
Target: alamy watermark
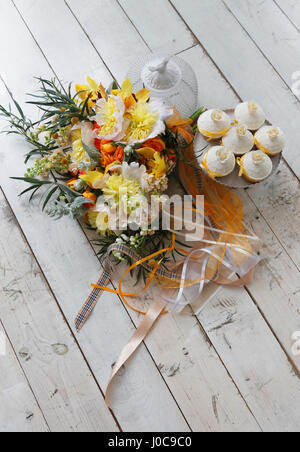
{"points": [[183, 215], [296, 83]]}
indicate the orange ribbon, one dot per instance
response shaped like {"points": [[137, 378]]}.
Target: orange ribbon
{"points": [[225, 211]]}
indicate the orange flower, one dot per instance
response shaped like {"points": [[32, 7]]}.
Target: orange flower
{"points": [[155, 143], [172, 155], [71, 183], [119, 154], [90, 196], [110, 154], [107, 148], [106, 159]]}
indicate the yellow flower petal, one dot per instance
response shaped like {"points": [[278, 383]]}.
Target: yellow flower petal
{"points": [[111, 165], [92, 217], [91, 177], [83, 91], [93, 84], [75, 135], [102, 91], [82, 88], [143, 95], [148, 153], [126, 88], [158, 164], [78, 153]]}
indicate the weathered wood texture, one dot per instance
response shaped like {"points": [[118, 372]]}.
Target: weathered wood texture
{"points": [[230, 368]]}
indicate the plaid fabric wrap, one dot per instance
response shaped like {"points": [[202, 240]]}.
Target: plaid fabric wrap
{"points": [[105, 278]]}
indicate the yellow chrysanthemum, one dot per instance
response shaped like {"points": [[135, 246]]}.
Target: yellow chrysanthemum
{"points": [[117, 184], [158, 165], [142, 121], [92, 178], [146, 119]]}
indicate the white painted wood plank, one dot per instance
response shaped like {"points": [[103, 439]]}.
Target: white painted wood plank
{"points": [[19, 410], [111, 31], [244, 66], [189, 408], [275, 342], [231, 308], [58, 374], [276, 287], [264, 330], [279, 203], [159, 25], [141, 390], [191, 368], [291, 9], [273, 33], [247, 346], [63, 50], [234, 414]]}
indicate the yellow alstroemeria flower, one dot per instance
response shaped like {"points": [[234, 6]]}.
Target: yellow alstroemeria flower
{"points": [[92, 89], [93, 179], [126, 92], [158, 165]]}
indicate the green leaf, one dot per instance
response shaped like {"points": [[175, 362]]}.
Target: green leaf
{"points": [[33, 193], [49, 196], [33, 187], [19, 109], [67, 190], [113, 85], [31, 180], [92, 152]]}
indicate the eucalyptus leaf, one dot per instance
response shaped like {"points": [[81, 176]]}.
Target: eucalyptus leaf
{"points": [[92, 152]]}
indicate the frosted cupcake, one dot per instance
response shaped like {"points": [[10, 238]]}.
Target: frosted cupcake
{"points": [[270, 140], [218, 162], [214, 124], [250, 114], [255, 166], [239, 140]]}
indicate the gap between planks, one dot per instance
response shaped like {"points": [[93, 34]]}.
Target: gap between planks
{"points": [[59, 307]]}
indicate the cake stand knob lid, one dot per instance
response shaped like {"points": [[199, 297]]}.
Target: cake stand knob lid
{"points": [[161, 74]]}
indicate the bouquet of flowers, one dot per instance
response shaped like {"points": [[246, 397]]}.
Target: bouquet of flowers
{"points": [[102, 155]]}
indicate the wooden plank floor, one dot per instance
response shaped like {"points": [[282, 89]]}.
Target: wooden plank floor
{"points": [[229, 368]]}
